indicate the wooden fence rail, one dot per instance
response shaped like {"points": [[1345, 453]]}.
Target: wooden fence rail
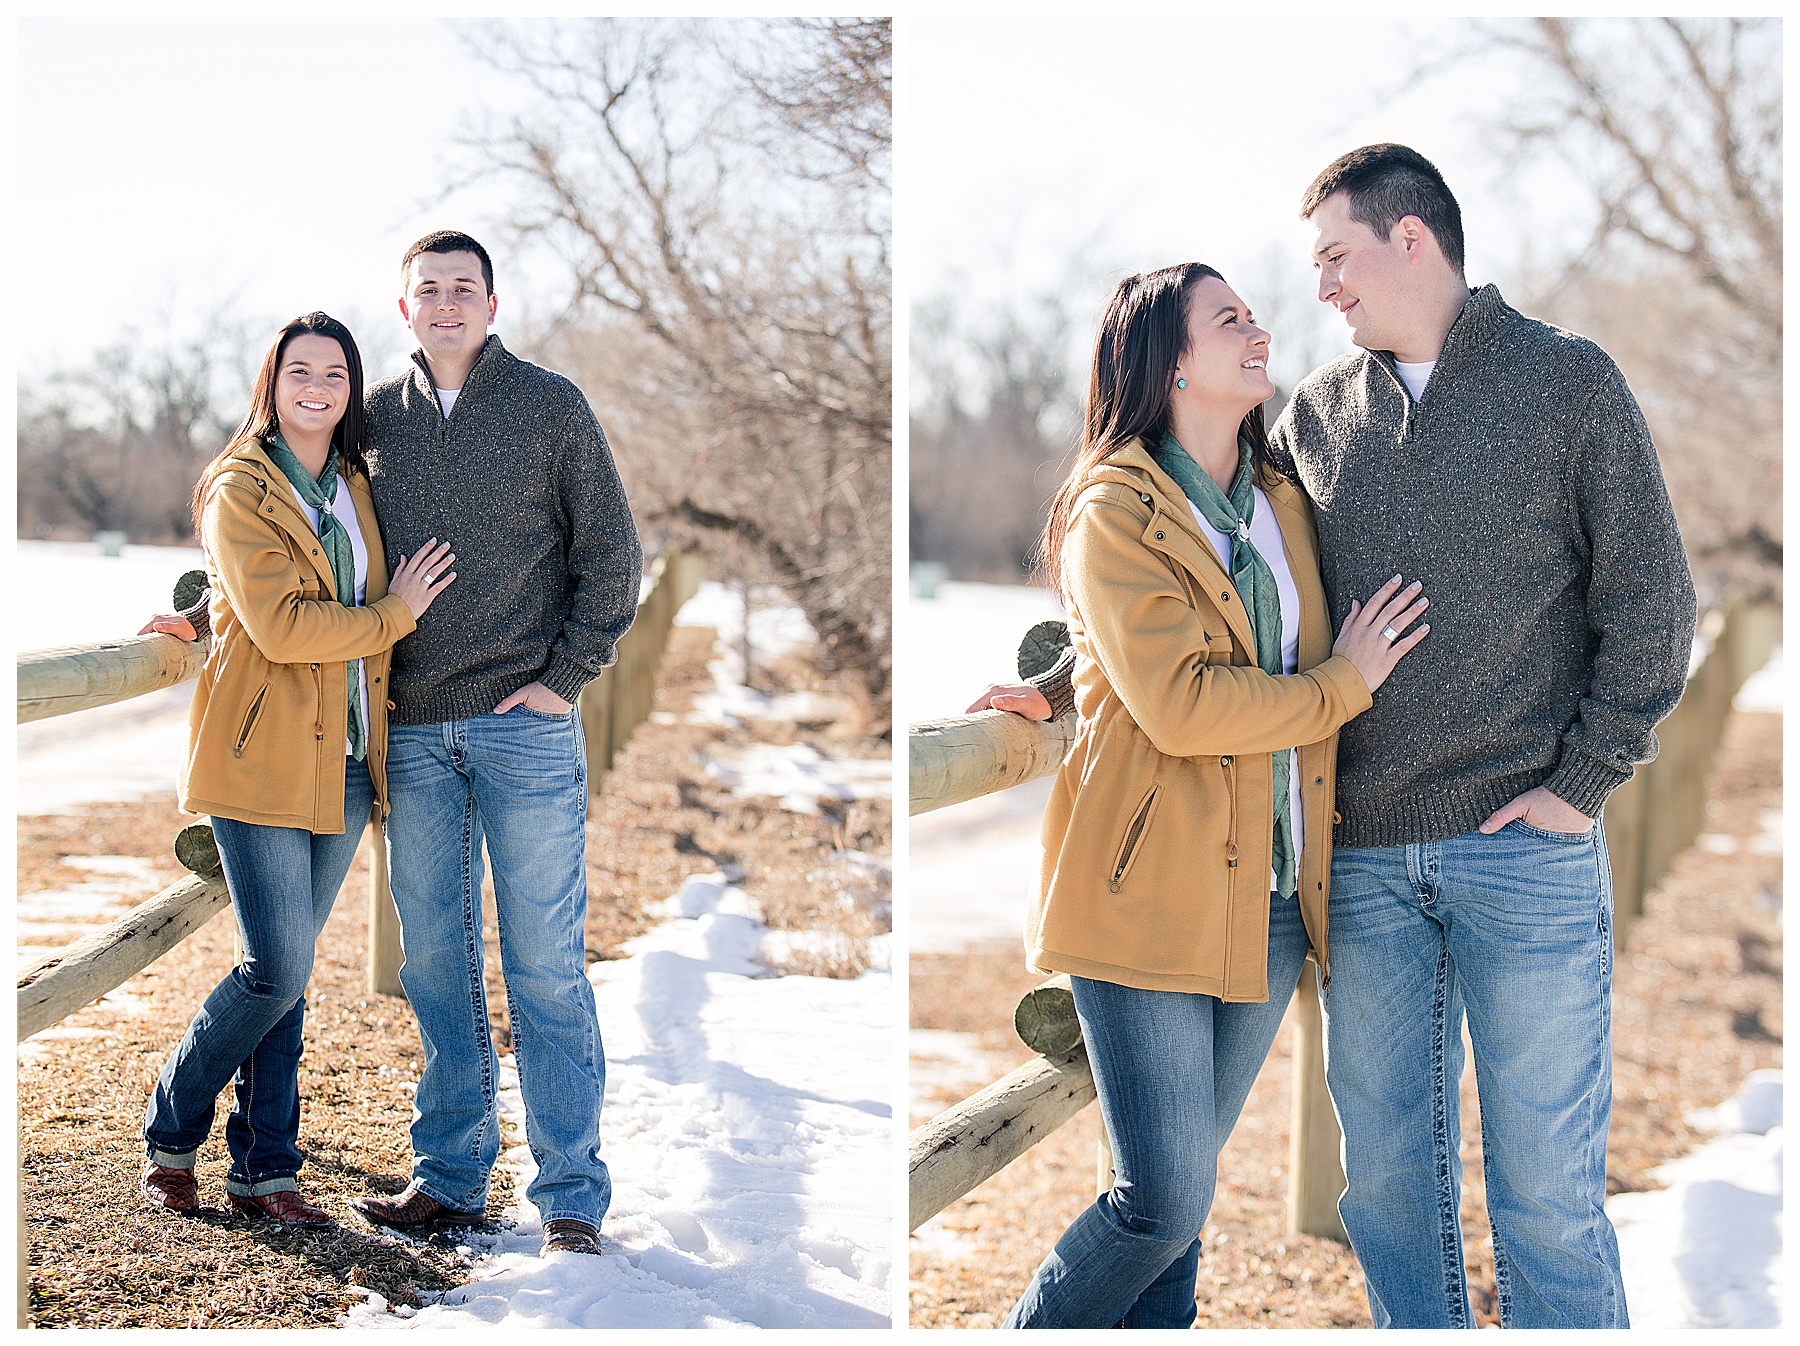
{"points": [[61, 983], [966, 756], [1648, 821], [79, 677], [61, 681]]}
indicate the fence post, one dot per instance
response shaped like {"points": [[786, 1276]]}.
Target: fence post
{"points": [[384, 921], [1315, 1168]]}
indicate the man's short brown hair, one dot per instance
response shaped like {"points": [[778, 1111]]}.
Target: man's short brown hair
{"points": [[449, 240], [1385, 184]]}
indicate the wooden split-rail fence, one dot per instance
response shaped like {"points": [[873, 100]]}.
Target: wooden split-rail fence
{"points": [[62, 681], [1648, 820]]}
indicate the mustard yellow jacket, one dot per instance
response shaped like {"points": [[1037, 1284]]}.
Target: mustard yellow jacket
{"points": [[266, 729], [1158, 835]]}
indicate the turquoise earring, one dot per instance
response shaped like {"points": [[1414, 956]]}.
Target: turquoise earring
{"points": [[1181, 383]]}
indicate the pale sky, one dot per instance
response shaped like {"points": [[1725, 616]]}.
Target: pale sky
{"points": [[167, 167], [1130, 144]]}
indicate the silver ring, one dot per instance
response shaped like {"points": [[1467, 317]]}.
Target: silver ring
{"points": [[1391, 634], [432, 579]]}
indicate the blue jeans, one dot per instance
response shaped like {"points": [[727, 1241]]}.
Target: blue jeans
{"points": [[1173, 1070], [1516, 930], [283, 881], [517, 781]]}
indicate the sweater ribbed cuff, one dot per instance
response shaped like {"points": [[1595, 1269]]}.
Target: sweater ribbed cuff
{"points": [[1584, 781], [566, 678], [199, 615], [1057, 683]]}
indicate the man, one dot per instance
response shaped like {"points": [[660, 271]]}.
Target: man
{"points": [[1504, 463], [504, 460]]}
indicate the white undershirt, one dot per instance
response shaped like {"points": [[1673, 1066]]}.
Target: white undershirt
{"points": [[1415, 376], [1265, 534], [447, 399], [359, 558]]}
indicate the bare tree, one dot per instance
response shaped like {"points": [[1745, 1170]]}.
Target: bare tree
{"points": [[1675, 127], [997, 394], [997, 404], [118, 443], [717, 194], [1672, 129]]}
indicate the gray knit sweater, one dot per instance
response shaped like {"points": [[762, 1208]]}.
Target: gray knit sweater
{"points": [[1523, 489], [520, 481]]}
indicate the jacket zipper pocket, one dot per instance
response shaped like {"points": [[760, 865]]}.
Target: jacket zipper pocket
{"points": [[1133, 835], [249, 723]]}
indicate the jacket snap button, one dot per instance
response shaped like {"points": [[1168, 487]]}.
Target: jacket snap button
{"points": [[1159, 536], [1143, 497], [1317, 780], [1225, 594], [315, 666], [315, 551], [1224, 761]]}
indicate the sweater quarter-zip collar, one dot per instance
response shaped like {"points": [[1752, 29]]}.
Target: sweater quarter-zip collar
{"points": [[484, 371], [1476, 328]]}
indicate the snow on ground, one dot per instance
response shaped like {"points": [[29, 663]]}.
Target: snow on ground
{"points": [[962, 640], [66, 593], [776, 628], [747, 1128], [1705, 1251], [973, 863], [1763, 689], [799, 775], [748, 1120]]}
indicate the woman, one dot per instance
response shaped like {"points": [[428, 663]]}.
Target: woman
{"points": [[286, 746], [1187, 842]]}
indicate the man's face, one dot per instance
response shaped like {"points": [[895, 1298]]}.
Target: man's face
{"points": [[1364, 276], [446, 302]]}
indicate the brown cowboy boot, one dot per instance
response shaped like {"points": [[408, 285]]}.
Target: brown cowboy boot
{"points": [[570, 1236], [413, 1209], [284, 1207], [172, 1188]]}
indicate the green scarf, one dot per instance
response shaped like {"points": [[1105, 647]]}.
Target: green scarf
{"points": [[1256, 590], [320, 492]]}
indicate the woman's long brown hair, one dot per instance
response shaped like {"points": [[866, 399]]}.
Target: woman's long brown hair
{"points": [[1143, 335], [262, 421]]}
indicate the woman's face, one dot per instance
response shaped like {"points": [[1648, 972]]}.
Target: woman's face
{"points": [[1226, 363], [312, 386]]}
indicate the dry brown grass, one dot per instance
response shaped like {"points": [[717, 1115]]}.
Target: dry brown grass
{"points": [[99, 1258], [1696, 1007]]}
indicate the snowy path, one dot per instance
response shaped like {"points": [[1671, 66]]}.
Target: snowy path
{"points": [[748, 1122], [1705, 1251], [749, 1138]]}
